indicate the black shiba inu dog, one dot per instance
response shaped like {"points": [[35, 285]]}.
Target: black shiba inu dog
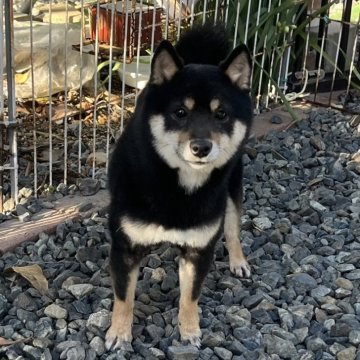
{"points": [[176, 173]]}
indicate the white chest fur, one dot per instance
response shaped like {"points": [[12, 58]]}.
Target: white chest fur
{"points": [[150, 233]]}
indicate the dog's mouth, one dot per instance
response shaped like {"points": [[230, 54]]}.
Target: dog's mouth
{"points": [[198, 164]]}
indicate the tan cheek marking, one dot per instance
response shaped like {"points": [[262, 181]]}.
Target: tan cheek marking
{"points": [[184, 137], [215, 137], [122, 316], [214, 104], [189, 103], [188, 309]]}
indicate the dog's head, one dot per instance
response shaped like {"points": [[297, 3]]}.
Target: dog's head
{"points": [[199, 114]]}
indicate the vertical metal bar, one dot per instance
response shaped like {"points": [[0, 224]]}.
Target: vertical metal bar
{"points": [[138, 49], [1, 57], [322, 28], [95, 85], [262, 67], [288, 52], [124, 69], [216, 11], [50, 95], [1, 97], [272, 63], [227, 11], [110, 82], [337, 54], [255, 40], [192, 13], [353, 55], [204, 11], [66, 93], [10, 74], [179, 22], [167, 18], [247, 22], [153, 27], [81, 84], [236, 23], [33, 104]]}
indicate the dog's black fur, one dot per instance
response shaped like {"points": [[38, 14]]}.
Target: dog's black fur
{"points": [[142, 184]]}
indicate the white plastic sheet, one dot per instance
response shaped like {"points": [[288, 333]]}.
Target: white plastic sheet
{"points": [[43, 55]]}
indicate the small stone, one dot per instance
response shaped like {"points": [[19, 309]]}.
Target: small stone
{"points": [[55, 311], [320, 291], [353, 275], [223, 353], [354, 337], [344, 283], [99, 320], [315, 343], [302, 282], [80, 290], [275, 119], [9, 205], [188, 352], [89, 186], [340, 330], [262, 223], [25, 192], [25, 217], [346, 354], [317, 206], [275, 345], [155, 332], [212, 339], [98, 345]]}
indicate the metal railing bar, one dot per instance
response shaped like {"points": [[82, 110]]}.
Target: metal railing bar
{"points": [[353, 55], [50, 96], [10, 73], [79, 133], [33, 103], [66, 93], [113, 4], [95, 86], [124, 68]]}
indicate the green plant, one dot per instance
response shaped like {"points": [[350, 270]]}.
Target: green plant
{"points": [[269, 28]]}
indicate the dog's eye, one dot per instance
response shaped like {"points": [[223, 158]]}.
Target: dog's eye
{"points": [[221, 114], [180, 113]]}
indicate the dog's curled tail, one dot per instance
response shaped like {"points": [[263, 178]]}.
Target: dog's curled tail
{"points": [[205, 44]]}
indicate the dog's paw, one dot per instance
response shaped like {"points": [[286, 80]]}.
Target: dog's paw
{"points": [[193, 336], [116, 336], [240, 268]]}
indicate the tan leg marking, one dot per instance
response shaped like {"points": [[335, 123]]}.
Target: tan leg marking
{"points": [[122, 316], [188, 312], [238, 263]]}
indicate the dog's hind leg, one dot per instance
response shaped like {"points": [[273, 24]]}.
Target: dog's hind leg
{"points": [[237, 260], [124, 267], [194, 266]]}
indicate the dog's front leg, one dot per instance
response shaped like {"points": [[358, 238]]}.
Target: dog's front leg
{"points": [[194, 266], [124, 267]]}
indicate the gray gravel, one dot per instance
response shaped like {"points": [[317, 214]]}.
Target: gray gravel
{"points": [[301, 232]]}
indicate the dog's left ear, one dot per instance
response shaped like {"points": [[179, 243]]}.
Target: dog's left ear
{"points": [[165, 63], [238, 67]]}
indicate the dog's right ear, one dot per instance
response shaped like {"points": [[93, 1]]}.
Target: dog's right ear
{"points": [[165, 63]]}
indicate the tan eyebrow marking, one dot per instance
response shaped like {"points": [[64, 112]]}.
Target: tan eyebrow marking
{"points": [[189, 103], [214, 104]]}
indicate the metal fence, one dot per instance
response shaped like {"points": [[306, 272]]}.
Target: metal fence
{"points": [[72, 71]]}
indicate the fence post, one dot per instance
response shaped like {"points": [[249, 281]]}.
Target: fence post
{"points": [[10, 75]]}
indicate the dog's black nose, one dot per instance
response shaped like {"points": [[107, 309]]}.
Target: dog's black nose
{"points": [[200, 147]]}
